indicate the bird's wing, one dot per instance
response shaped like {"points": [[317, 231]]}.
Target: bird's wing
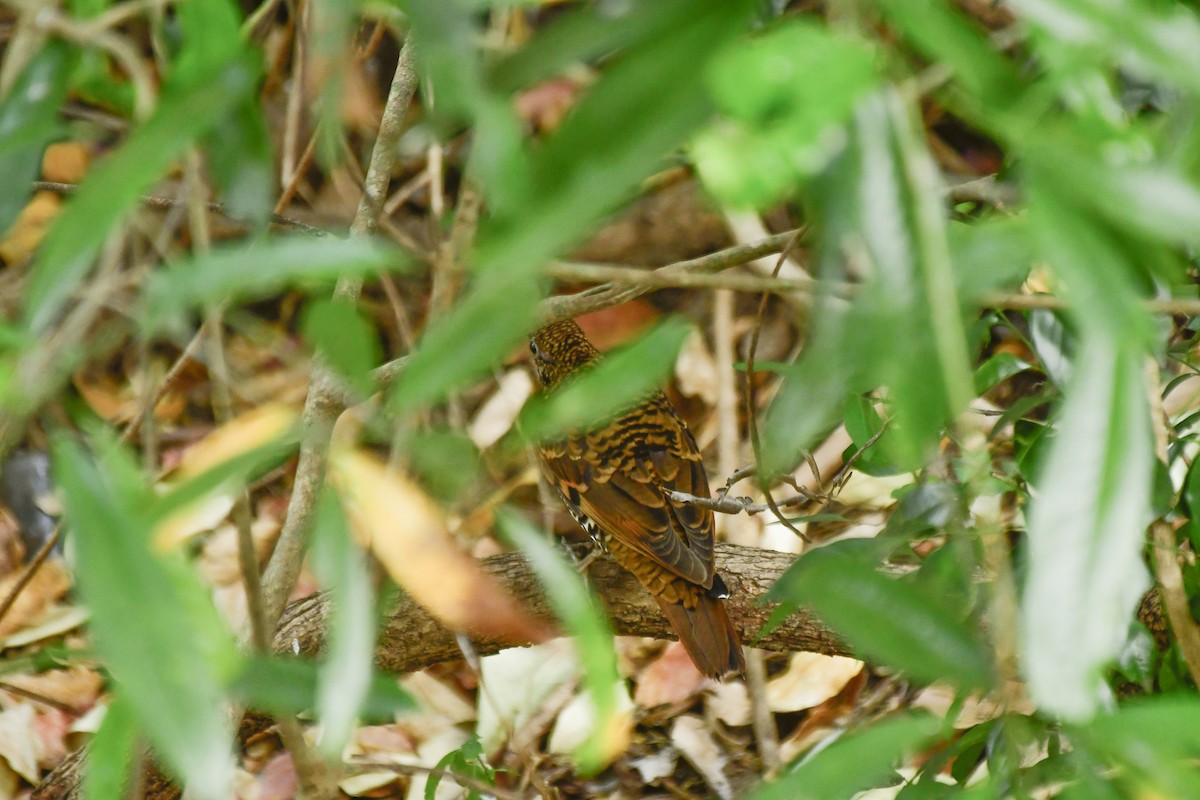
{"points": [[625, 495]]}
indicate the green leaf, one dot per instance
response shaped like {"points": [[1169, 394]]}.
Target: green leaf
{"points": [[647, 101], [238, 148], [888, 620], [620, 380], [999, 367], [258, 270], [173, 661], [1086, 530], [29, 122], [1154, 741], [345, 339], [782, 126], [860, 760], [115, 185], [581, 612], [111, 755], [346, 673], [289, 686]]}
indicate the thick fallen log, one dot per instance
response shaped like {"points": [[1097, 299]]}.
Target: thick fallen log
{"points": [[412, 640]]}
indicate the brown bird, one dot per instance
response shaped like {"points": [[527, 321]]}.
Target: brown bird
{"points": [[616, 481]]}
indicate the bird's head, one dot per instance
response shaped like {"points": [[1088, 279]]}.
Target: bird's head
{"points": [[558, 350]]}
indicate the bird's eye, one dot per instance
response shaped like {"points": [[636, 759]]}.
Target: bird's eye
{"points": [[533, 348]]}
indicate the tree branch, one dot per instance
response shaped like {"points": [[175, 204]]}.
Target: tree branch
{"points": [[411, 640]]}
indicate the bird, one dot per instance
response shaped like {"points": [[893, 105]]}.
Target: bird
{"points": [[617, 480]]}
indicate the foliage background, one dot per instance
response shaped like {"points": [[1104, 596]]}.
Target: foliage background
{"points": [[984, 309]]}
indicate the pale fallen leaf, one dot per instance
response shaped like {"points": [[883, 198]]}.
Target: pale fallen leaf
{"points": [[498, 413], [435, 697], [10, 782], [656, 766], [90, 721], [693, 739], [514, 684], [810, 679], [577, 721], [670, 678], [372, 740], [367, 784], [19, 742], [729, 702], [47, 585], [429, 753], [204, 514], [407, 531], [57, 620]]}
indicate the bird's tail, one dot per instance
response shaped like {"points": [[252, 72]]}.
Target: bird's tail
{"points": [[707, 634]]}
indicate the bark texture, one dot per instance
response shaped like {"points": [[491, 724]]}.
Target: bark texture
{"points": [[412, 640]]}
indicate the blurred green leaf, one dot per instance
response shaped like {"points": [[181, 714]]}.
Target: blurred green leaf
{"points": [[619, 381], [111, 753], [1155, 743], [115, 185], [887, 231], [345, 674], [855, 761], [446, 460], [174, 659], [234, 472], [257, 270], [345, 338], [887, 620], [1086, 530], [29, 122], [782, 126], [289, 686], [646, 102], [581, 612], [1000, 367], [1161, 39]]}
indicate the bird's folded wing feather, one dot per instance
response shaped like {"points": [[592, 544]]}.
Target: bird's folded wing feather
{"points": [[630, 503]]}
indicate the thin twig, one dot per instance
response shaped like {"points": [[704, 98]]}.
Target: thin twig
{"points": [[751, 406], [152, 201], [31, 569], [325, 398]]}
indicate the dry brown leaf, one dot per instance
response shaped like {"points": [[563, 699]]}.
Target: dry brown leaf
{"points": [[77, 686], [240, 435], [237, 437], [693, 739], [545, 104], [52, 726], [277, 781], [65, 162], [218, 561], [48, 584], [670, 678], [30, 227], [368, 784], [810, 679], [407, 532]]}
